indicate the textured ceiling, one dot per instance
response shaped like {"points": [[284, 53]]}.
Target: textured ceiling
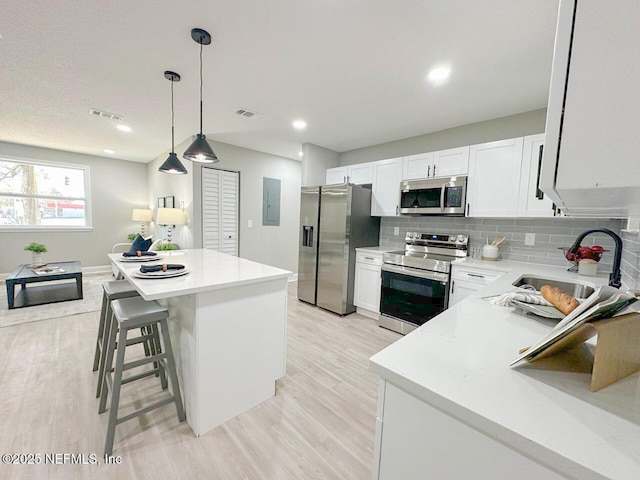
{"points": [[354, 70]]}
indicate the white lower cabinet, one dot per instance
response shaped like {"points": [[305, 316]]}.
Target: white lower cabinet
{"points": [[467, 280], [415, 440], [366, 294]]}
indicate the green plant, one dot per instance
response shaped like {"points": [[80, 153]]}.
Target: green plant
{"points": [[36, 248], [167, 246], [132, 236]]}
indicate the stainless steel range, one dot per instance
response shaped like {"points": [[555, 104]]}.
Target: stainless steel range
{"points": [[415, 282]]}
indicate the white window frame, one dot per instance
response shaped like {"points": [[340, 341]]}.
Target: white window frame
{"points": [[53, 228]]}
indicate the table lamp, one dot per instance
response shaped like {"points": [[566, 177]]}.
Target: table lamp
{"points": [[170, 217], [142, 215]]}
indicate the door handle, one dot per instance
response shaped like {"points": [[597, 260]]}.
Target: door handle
{"points": [[453, 286], [429, 171], [397, 209], [344, 179], [539, 193], [434, 170], [467, 209], [475, 275]]}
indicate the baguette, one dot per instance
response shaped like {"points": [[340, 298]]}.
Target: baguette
{"points": [[559, 299]]}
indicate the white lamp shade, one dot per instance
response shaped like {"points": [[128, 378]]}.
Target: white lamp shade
{"points": [[141, 215], [171, 216]]}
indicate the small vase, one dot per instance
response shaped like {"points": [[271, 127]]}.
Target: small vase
{"points": [[36, 258]]}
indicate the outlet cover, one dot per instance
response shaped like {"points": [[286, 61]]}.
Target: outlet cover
{"points": [[396, 230], [250, 223], [530, 239]]}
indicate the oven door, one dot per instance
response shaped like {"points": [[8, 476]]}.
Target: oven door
{"points": [[412, 295]]}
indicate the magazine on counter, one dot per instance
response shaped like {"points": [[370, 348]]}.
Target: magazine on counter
{"points": [[605, 302], [47, 270]]}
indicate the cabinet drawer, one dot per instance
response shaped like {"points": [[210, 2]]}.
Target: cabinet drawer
{"points": [[369, 258], [483, 277]]}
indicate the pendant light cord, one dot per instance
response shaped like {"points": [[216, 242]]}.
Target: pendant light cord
{"points": [[172, 136], [201, 89]]}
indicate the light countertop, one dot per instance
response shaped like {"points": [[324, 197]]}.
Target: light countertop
{"points": [[208, 270], [459, 363]]}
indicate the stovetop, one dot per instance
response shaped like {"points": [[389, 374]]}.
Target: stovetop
{"points": [[427, 251]]}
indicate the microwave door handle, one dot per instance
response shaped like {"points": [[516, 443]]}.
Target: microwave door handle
{"points": [[442, 191]]}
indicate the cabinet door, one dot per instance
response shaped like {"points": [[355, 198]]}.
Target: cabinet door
{"points": [[367, 287], [417, 166], [461, 289], [360, 174], [336, 175], [385, 198], [533, 202], [452, 162], [494, 178]]}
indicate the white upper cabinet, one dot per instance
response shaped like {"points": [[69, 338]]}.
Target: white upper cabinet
{"points": [[533, 202], [451, 162], [494, 178], [336, 175], [417, 166], [360, 174], [590, 160], [444, 163], [385, 197]]}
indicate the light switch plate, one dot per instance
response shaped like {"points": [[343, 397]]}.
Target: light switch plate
{"points": [[250, 223], [396, 230], [530, 239]]}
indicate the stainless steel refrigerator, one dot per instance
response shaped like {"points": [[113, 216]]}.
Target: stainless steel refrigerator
{"points": [[334, 221]]}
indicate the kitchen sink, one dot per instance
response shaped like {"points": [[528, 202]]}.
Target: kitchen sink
{"points": [[578, 290]]}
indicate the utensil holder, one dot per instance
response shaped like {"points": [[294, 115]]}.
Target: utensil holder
{"points": [[490, 252]]}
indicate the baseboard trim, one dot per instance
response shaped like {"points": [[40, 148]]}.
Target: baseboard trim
{"points": [[367, 313]]}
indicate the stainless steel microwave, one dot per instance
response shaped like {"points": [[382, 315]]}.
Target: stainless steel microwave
{"points": [[438, 196]]}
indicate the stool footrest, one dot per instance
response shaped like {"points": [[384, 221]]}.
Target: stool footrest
{"points": [[158, 404], [143, 361], [133, 378], [140, 339]]}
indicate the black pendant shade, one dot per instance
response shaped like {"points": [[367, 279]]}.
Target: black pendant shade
{"points": [[200, 150], [172, 164]]}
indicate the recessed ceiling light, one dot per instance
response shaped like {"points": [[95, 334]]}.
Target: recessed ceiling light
{"points": [[301, 154], [439, 75], [299, 124], [109, 151], [124, 128]]}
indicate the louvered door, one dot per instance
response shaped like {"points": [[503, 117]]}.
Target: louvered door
{"points": [[220, 210]]}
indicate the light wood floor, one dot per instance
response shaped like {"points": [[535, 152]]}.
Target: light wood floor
{"points": [[319, 425]]}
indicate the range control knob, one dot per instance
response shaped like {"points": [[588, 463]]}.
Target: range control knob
{"points": [[409, 235], [452, 239], [461, 239]]}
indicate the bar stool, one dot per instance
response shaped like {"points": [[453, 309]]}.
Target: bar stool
{"points": [[129, 314], [113, 290]]}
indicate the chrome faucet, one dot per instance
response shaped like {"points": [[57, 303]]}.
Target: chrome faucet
{"points": [[614, 276]]}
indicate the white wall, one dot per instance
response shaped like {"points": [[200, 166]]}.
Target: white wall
{"points": [[315, 161], [273, 245], [117, 187], [512, 126]]}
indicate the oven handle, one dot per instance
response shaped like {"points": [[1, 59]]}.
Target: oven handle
{"points": [[416, 272]]}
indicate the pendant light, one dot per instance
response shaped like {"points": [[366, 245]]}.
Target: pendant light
{"points": [[200, 150], [172, 164]]}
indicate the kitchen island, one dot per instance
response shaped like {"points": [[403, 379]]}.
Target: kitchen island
{"points": [[449, 405], [228, 320]]}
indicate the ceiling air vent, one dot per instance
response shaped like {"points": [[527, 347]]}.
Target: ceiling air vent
{"points": [[247, 113], [100, 113]]}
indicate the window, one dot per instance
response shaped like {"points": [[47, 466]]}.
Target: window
{"points": [[37, 195]]}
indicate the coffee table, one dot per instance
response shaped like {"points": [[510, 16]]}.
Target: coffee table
{"points": [[44, 294]]}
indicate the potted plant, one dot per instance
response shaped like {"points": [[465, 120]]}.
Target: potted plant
{"points": [[36, 249], [167, 246]]}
